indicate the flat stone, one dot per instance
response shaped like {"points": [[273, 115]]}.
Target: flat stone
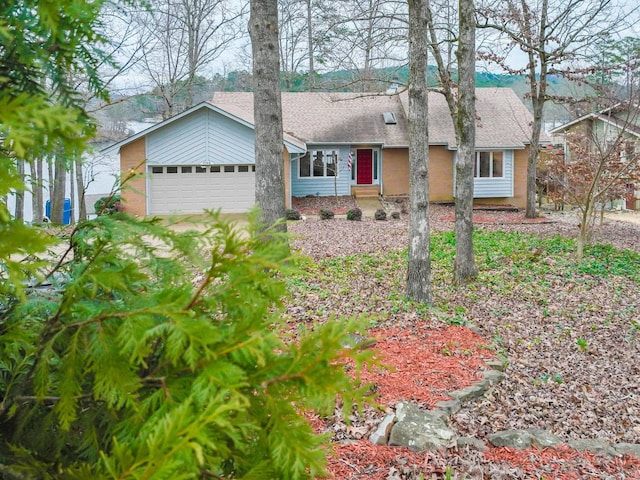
{"points": [[499, 365], [543, 439], [381, 435], [449, 406], [597, 446], [493, 376], [474, 391], [419, 429], [518, 439], [471, 444], [628, 448]]}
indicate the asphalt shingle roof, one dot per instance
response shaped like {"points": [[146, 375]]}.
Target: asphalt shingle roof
{"points": [[502, 119]]}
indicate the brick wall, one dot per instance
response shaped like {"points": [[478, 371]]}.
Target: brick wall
{"points": [[134, 192]]}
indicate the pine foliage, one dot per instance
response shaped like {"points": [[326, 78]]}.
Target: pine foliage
{"points": [[157, 354], [132, 351]]}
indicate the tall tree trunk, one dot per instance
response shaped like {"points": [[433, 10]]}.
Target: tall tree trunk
{"points": [[57, 200], [312, 70], [82, 208], [419, 266], [72, 195], [50, 183], [538, 90], [465, 269], [267, 105], [19, 210], [37, 203], [532, 160]]}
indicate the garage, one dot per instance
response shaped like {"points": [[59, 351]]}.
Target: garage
{"points": [[194, 188]]}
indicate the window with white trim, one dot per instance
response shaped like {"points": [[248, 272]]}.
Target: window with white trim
{"points": [[318, 163], [489, 165]]}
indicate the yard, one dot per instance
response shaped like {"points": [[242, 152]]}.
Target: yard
{"points": [[569, 334]]}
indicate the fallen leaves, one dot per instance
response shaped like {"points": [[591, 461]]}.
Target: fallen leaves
{"points": [[571, 336]]}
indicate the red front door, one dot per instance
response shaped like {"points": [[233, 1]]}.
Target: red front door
{"points": [[631, 194], [364, 166]]}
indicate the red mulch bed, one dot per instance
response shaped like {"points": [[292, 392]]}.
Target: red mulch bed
{"points": [[426, 364]]}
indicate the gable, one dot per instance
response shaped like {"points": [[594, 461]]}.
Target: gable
{"points": [[202, 137]]}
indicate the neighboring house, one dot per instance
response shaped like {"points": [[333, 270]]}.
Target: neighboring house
{"points": [[615, 124], [335, 144]]}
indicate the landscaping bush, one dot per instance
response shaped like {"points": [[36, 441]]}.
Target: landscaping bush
{"points": [[395, 215], [380, 214], [292, 214], [326, 214], [108, 205], [123, 365], [354, 214]]}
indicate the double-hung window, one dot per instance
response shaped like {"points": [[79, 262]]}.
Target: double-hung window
{"points": [[318, 163], [489, 165]]}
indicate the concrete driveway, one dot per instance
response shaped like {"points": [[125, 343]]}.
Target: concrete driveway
{"points": [[624, 216]]}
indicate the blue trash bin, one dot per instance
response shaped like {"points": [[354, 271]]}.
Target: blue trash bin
{"points": [[66, 211]]}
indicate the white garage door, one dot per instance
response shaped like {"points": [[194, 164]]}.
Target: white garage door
{"points": [[192, 189]]}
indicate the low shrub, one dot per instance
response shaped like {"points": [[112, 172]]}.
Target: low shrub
{"points": [[380, 214], [395, 215], [108, 205], [326, 214], [292, 214], [354, 214]]}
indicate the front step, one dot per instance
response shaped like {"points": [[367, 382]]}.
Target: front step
{"points": [[372, 191]]}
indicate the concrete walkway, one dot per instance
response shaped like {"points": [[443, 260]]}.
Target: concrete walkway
{"points": [[368, 206]]}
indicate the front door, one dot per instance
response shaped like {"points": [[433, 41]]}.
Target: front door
{"points": [[364, 166], [630, 197]]}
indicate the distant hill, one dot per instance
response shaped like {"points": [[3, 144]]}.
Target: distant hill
{"points": [[149, 104]]}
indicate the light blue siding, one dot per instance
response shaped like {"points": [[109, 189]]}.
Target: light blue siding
{"points": [[496, 187], [203, 137], [493, 187], [323, 187]]}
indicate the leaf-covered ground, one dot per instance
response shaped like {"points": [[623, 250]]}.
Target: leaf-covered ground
{"points": [[570, 332]]}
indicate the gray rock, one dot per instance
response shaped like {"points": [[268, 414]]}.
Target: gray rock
{"points": [[628, 448], [499, 365], [449, 406], [381, 435], [474, 391], [420, 429], [519, 439], [597, 446], [493, 376], [543, 439], [471, 443]]}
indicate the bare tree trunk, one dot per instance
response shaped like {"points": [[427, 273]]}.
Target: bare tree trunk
{"points": [[19, 210], [82, 208], [72, 195], [532, 161], [419, 266], [465, 269], [50, 183], [37, 203], [312, 73], [57, 198], [267, 104]]}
